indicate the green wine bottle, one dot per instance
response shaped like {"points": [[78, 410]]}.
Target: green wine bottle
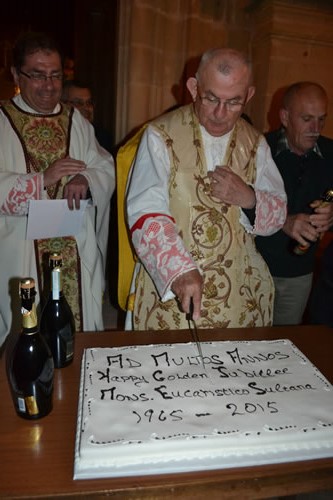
{"points": [[57, 321]]}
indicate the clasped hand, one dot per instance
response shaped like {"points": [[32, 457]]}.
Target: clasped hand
{"points": [[76, 189], [229, 188]]}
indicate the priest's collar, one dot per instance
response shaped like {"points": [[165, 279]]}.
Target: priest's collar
{"points": [[20, 102], [211, 139]]}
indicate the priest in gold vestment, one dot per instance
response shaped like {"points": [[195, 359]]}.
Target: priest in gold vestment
{"points": [[203, 184], [49, 151]]}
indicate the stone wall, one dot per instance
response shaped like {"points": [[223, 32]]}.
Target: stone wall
{"points": [[292, 41], [159, 42], [137, 54], [159, 45]]}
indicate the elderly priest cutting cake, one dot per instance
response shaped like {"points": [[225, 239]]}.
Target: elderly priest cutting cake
{"points": [[202, 186]]}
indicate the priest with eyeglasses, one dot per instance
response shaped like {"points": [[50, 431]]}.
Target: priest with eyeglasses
{"points": [[202, 186], [48, 151]]}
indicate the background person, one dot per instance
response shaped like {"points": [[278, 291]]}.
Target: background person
{"points": [[49, 151], [79, 95], [203, 184], [305, 161]]}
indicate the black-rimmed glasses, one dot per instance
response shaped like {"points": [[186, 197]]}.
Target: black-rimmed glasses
{"points": [[41, 77]]}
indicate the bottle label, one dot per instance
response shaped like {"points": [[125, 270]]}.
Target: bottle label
{"points": [[69, 349], [21, 405], [32, 406], [56, 283], [29, 318], [301, 249]]}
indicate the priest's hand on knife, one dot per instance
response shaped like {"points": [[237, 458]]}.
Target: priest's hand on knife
{"points": [[186, 286]]}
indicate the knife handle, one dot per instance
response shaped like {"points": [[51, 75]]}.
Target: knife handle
{"points": [[189, 316]]}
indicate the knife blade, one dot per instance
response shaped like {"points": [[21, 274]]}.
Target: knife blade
{"points": [[194, 332]]}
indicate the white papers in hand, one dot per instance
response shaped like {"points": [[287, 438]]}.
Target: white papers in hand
{"points": [[51, 218]]}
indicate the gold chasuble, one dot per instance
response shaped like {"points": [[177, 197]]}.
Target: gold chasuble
{"points": [[45, 139], [238, 289]]}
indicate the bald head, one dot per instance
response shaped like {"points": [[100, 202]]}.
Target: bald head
{"points": [[303, 90], [225, 61], [303, 115], [220, 89]]}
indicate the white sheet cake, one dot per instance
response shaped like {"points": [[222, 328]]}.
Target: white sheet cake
{"points": [[155, 409]]}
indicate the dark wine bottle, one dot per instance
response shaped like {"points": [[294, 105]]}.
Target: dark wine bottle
{"points": [[326, 198], [30, 363], [57, 322]]}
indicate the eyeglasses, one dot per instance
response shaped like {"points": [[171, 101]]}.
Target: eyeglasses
{"points": [[211, 101], [80, 103], [41, 77]]}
